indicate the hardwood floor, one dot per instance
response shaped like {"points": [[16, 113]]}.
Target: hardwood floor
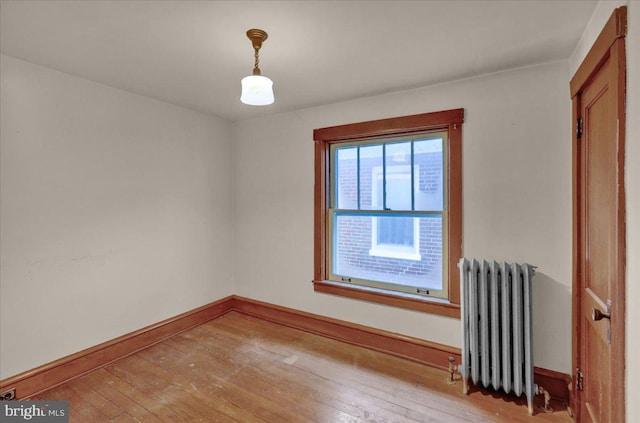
{"points": [[238, 368]]}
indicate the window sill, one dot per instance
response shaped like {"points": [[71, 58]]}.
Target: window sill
{"points": [[396, 299]]}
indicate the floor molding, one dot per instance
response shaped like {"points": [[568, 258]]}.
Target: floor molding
{"points": [[426, 352], [40, 379], [429, 353], [432, 354]]}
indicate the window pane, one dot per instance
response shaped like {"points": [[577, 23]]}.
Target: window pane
{"points": [[398, 187], [428, 158], [347, 178], [370, 159], [398, 176], [358, 254]]}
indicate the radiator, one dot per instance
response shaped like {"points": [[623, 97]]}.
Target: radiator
{"points": [[497, 344]]}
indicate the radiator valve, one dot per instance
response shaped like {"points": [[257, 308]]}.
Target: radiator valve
{"points": [[547, 398], [452, 369]]}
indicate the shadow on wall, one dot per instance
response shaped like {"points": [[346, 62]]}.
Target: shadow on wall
{"points": [[551, 323]]}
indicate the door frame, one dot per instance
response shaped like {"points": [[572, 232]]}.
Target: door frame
{"points": [[610, 45]]}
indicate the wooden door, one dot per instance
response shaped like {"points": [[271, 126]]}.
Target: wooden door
{"points": [[598, 91]]}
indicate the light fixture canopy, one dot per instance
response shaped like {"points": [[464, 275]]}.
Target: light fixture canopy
{"points": [[257, 90]]}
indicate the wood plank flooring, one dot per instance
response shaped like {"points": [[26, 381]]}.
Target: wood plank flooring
{"points": [[238, 368]]}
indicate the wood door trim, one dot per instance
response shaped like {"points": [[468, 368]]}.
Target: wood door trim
{"points": [[616, 27], [618, 332], [610, 45], [576, 242]]}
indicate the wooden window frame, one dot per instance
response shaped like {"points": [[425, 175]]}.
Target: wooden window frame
{"points": [[449, 120]]}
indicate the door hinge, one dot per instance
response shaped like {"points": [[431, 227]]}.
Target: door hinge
{"points": [[579, 380], [579, 128]]}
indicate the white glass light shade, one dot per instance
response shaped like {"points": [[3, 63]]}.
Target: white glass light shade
{"points": [[257, 90]]}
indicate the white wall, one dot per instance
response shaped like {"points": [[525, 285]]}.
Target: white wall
{"points": [[632, 180], [115, 213], [517, 199]]}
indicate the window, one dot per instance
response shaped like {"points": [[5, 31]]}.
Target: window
{"points": [[388, 211]]}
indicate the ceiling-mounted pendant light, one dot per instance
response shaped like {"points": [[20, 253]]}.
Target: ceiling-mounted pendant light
{"points": [[257, 90]]}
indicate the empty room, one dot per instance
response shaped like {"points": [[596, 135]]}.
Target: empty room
{"points": [[319, 211]]}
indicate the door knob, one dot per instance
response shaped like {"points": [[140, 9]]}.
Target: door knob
{"points": [[597, 314]]}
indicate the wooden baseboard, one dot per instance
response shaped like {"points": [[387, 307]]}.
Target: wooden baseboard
{"points": [[40, 379], [558, 384], [429, 353]]}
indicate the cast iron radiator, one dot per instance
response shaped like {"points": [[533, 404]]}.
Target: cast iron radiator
{"points": [[497, 344]]}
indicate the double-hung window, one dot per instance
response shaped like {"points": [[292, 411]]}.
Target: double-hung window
{"points": [[388, 211]]}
